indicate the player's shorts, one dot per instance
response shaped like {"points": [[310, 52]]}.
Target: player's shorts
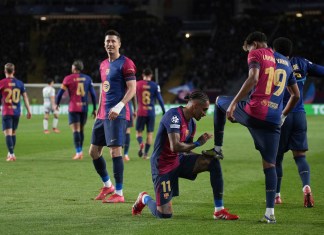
{"points": [[147, 121], [166, 185], [266, 135], [109, 132], [80, 117], [10, 122], [294, 133]]}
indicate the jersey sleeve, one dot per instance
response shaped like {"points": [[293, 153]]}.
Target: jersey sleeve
{"points": [[291, 79], [172, 122], [65, 84], [129, 70], [253, 59], [314, 69]]}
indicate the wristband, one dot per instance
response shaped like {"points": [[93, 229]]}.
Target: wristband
{"points": [[118, 107], [196, 143]]}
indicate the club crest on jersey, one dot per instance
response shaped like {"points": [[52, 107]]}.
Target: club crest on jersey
{"points": [[106, 86], [175, 119], [107, 71]]}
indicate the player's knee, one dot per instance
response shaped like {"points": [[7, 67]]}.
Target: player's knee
{"points": [[163, 216]]}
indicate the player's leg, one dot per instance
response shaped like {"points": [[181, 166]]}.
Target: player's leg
{"points": [[83, 121], [45, 122], [55, 122], [149, 138], [7, 127], [140, 124], [267, 142], [127, 142], [165, 186], [192, 164], [97, 142], [115, 137], [74, 122]]}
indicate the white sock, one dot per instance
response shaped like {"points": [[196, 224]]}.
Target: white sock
{"points": [[119, 192], [219, 208], [269, 211], [107, 184], [218, 148], [277, 194], [45, 124], [55, 122]]}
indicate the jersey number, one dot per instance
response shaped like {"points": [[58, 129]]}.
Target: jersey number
{"points": [[146, 97], [80, 89], [12, 96], [274, 78], [166, 187]]}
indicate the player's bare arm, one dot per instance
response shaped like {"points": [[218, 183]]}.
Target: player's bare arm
{"points": [[177, 146], [26, 101]]}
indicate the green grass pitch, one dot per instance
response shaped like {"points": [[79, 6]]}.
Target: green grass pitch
{"points": [[46, 192]]}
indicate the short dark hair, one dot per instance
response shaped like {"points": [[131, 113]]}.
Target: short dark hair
{"points": [[50, 80], [78, 64], [147, 72], [197, 95], [9, 68], [113, 32], [256, 36], [283, 45]]}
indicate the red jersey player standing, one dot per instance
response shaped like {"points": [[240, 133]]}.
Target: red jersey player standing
{"points": [[11, 89]]}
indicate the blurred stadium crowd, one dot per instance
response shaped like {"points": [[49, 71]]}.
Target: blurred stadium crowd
{"points": [[213, 60]]}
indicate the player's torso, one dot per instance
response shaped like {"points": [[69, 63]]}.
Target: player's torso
{"points": [[163, 159], [146, 95], [11, 91], [78, 86], [48, 92]]}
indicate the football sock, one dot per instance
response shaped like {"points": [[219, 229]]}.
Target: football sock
{"points": [[108, 183], [139, 139], [45, 124], [303, 169], [270, 183], [147, 148], [77, 141], [218, 148], [216, 181], [269, 211], [9, 143], [219, 124], [152, 206], [127, 141], [81, 138], [118, 168], [14, 140], [100, 166], [279, 171], [55, 122], [146, 198]]}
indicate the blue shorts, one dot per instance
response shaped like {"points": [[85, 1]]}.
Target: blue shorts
{"points": [[147, 121], [75, 117], [294, 133], [109, 132], [10, 122], [166, 186], [266, 135]]}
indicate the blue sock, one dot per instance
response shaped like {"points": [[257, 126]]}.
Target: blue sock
{"points": [[14, 140], [216, 181], [279, 171], [219, 124], [81, 138], [303, 169], [147, 148], [100, 166], [139, 139], [152, 206], [271, 185], [77, 141], [118, 168], [9, 143], [127, 142]]}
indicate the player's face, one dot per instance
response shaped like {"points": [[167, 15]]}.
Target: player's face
{"points": [[112, 44], [200, 110]]}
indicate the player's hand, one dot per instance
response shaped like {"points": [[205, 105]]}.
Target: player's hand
{"points": [[282, 119], [230, 112], [134, 115], [114, 112], [204, 138], [57, 107], [94, 113], [29, 115]]}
